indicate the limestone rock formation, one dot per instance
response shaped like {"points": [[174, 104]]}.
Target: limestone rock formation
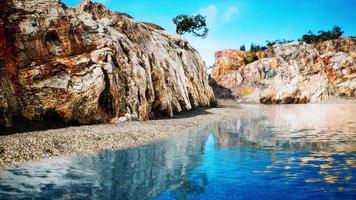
{"points": [[295, 73], [227, 61], [89, 65], [339, 59]]}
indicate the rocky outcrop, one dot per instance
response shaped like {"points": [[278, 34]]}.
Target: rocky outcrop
{"points": [[88, 65], [339, 59], [230, 60], [295, 73], [227, 61]]}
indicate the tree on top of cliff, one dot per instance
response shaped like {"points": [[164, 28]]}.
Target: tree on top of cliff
{"points": [[242, 48], [191, 24], [271, 43], [310, 37], [256, 48]]}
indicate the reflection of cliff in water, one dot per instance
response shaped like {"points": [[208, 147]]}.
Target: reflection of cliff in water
{"points": [[276, 146], [328, 151], [145, 172], [279, 132], [137, 173], [239, 132]]}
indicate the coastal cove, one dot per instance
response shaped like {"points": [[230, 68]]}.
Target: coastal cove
{"points": [[177, 100], [80, 140], [216, 154]]}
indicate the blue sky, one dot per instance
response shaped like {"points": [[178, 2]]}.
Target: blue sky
{"points": [[233, 23]]}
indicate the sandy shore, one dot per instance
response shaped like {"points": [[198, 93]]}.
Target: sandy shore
{"points": [[71, 141]]}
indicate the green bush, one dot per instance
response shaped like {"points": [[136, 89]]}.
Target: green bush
{"points": [[256, 48], [271, 43], [310, 37], [250, 57]]}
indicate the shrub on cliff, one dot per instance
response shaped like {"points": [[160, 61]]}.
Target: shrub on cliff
{"points": [[310, 37], [191, 24], [255, 48], [271, 43], [250, 57]]}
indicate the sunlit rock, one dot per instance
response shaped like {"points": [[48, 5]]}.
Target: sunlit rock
{"points": [[292, 73], [89, 64], [227, 61]]}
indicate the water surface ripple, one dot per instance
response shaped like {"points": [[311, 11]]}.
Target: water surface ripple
{"points": [[278, 152]]}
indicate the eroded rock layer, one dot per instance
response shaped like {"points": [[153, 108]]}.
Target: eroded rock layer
{"points": [[292, 73], [88, 64]]}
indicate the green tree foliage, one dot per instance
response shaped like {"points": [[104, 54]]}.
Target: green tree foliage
{"points": [[250, 57], [310, 37], [191, 24], [242, 48], [255, 48], [271, 43]]}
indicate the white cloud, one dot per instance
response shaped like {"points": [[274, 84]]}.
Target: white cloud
{"points": [[211, 14], [230, 13]]}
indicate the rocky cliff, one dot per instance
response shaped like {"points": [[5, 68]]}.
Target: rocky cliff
{"points": [[88, 65], [291, 73]]}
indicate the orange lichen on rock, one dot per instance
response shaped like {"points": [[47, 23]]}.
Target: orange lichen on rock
{"points": [[327, 68], [246, 91], [227, 61]]}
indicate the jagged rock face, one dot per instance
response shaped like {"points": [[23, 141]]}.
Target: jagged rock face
{"points": [[227, 61], [339, 59], [89, 64], [296, 73], [346, 45]]}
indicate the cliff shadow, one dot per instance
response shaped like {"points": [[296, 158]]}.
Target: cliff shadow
{"points": [[190, 113], [23, 125], [220, 92]]}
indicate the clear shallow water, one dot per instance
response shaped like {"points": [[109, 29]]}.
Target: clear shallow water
{"points": [[283, 153]]}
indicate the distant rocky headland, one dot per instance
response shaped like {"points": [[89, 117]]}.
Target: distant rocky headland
{"points": [[294, 72], [91, 65]]}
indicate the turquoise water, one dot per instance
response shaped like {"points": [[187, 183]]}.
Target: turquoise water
{"points": [[255, 157]]}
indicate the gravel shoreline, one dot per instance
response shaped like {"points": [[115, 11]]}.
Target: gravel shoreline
{"points": [[19, 148]]}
